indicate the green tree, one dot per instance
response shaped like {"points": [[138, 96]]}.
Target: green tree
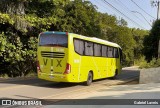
{"points": [[139, 36], [124, 38], [151, 42]]}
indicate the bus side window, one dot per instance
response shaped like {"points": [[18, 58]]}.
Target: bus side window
{"points": [[79, 46], [104, 51], [88, 48], [116, 55], [120, 53], [110, 52], [97, 50]]}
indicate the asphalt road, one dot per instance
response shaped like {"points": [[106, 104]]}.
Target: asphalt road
{"points": [[34, 88]]}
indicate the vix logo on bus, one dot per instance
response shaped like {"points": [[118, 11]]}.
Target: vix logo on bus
{"points": [[58, 64]]}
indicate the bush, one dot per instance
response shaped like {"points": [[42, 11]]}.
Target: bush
{"points": [[4, 76], [18, 58], [153, 63]]}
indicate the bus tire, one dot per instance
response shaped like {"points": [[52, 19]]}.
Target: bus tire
{"points": [[89, 79], [115, 75]]}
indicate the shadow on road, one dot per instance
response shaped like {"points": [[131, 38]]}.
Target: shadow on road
{"points": [[141, 91], [126, 74]]}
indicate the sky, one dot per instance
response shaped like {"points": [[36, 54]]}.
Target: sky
{"points": [[136, 19]]}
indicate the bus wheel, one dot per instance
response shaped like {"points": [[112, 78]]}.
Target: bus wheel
{"points": [[89, 79], [115, 75]]}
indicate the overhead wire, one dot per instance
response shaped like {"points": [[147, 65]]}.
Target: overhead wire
{"points": [[142, 9], [132, 12], [102, 6], [106, 2], [127, 9]]}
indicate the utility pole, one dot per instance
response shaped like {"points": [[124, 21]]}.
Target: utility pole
{"points": [[158, 10], [157, 4]]}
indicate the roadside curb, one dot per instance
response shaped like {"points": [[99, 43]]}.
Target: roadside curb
{"points": [[131, 67]]}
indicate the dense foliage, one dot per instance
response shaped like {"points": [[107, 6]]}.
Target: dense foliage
{"points": [[22, 20], [151, 42]]}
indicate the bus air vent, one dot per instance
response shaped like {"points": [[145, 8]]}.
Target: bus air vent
{"points": [[52, 54]]}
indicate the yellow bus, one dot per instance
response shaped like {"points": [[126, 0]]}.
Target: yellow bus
{"points": [[69, 57]]}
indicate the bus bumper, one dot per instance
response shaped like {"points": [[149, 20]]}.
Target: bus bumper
{"points": [[56, 78]]}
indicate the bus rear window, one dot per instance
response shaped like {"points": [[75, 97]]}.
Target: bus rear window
{"points": [[53, 40]]}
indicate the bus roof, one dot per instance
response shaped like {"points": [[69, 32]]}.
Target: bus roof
{"points": [[105, 41], [53, 32], [85, 37], [94, 39]]}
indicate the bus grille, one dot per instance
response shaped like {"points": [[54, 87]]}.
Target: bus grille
{"points": [[52, 54]]}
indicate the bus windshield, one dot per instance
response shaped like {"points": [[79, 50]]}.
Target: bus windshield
{"points": [[53, 40]]}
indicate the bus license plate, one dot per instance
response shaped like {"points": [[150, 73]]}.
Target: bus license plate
{"points": [[51, 76]]}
